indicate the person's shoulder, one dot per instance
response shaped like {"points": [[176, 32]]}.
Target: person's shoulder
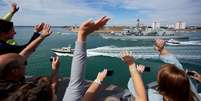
{"points": [[168, 57], [154, 95]]}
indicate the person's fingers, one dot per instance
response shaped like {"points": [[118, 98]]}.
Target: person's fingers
{"points": [[42, 23], [53, 59], [123, 54], [140, 70], [57, 58], [133, 55], [100, 22], [143, 67], [194, 77], [126, 53], [194, 72], [130, 53], [104, 22], [48, 28], [105, 71], [36, 26], [97, 22], [44, 27], [88, 22], [50, 32]]}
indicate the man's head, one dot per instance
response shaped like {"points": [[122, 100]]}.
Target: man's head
{"points": [[12, 66], [159, 44], [7, 30]]}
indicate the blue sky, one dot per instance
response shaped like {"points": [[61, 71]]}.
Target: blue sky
{"points": [[122, 12]]}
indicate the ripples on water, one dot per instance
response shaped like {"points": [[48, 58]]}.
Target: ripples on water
{"points": [[101, 54]]}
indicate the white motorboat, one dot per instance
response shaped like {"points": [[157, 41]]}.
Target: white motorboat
{"points": [[63, 50]]}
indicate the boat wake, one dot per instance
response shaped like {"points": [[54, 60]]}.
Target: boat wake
{"points": [[183, 43], [141, 52]]}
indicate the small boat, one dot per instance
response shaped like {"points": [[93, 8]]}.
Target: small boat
{"points": [[63, 50], [173, 42]]}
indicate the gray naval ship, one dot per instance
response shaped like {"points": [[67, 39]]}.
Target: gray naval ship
{"points": [[143, 32]]}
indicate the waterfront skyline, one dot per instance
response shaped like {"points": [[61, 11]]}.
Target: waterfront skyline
{"points": [[122, 12]]}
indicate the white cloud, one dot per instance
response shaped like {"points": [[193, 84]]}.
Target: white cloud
{"points": [[54, 12], [63, 12], [168, 11]]}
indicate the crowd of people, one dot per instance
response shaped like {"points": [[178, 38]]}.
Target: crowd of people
{"points": [[173, 84]]}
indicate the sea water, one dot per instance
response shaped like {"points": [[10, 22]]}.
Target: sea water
{"points": [[39, 64]]}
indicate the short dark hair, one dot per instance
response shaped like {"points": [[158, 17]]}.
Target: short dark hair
{"points": [[5, 26]]}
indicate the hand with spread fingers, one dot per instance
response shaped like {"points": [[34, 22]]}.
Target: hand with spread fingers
{"points": [[55, 63], [140, 68], [90, 26], [196, 76], [46, 31], [127, 57], [39, 27]]}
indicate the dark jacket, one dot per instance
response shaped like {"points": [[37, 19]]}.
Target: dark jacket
{"points": [[7, 48]]}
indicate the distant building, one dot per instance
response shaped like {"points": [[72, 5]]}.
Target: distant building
{"points": [[156, 25], [180, 25], [171, 26]]}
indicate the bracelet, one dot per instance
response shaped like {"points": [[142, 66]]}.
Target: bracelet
{"points": [[97, 81]]}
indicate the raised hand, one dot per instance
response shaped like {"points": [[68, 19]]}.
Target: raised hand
{"points": [[55, 63], [14, 8], [127, 57], [39, 27], [46, 31], [196, 76], [101, 75], [159, 43], [140, 68], [90, 26]]}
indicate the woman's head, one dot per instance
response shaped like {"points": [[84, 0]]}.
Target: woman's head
{"points": [[173, 83], [7, 30]]}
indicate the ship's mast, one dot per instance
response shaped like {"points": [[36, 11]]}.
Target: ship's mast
{"points": [[138, 27], [138, 24]]}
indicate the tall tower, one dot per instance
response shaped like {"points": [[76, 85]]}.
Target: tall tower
{"points": [[156, 25], [138, 28], [138, 23]]}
